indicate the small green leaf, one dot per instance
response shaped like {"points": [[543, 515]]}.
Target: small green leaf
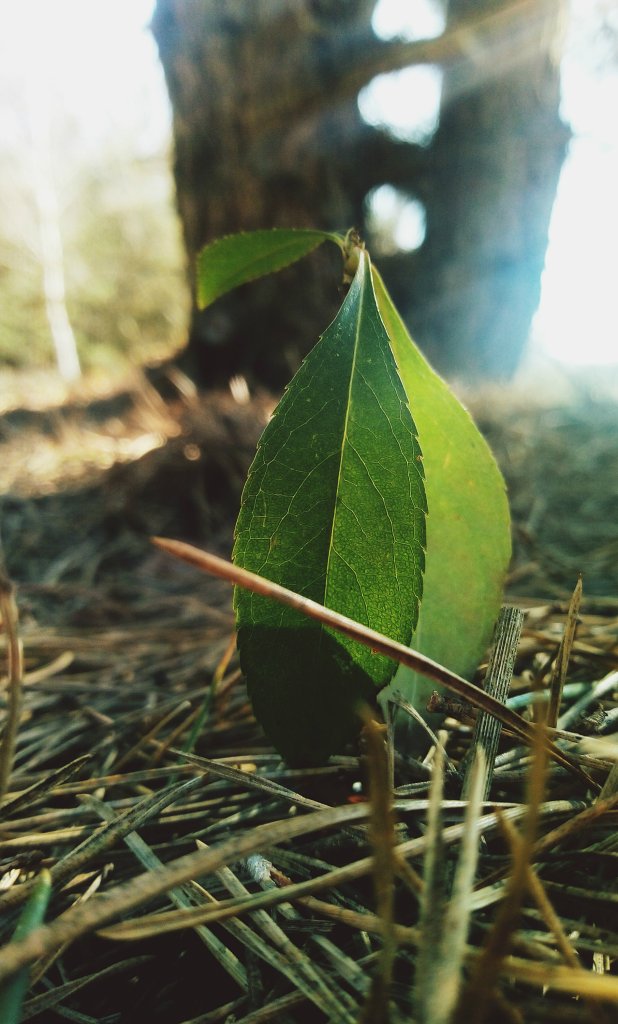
{"points": [[237, 259], [13, 990], [468, 527], [333, 508]]}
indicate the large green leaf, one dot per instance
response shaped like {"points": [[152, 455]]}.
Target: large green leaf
{"points": [[333, 508], [237, 259], [468, 533]]}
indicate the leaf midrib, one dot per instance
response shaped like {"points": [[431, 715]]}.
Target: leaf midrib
{"points": [[362, 284]]}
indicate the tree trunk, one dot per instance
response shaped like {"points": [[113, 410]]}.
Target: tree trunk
{"points": [[496, 161], [267, 133]]}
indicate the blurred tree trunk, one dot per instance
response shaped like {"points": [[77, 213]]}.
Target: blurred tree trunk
{"points": [[496, 161], [267, 133]]}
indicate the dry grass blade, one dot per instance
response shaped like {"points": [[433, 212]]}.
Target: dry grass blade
{"points": [[206, 709], [583, 984], [549, 915], [341, 964], [513, 968], [293, 962], [90, 916], [15, 674], [397, 701], [447, 977], [432, 896], [261, 784], [47, 1000], [173, 920], [539, 895], [247, 779], [275, 1010], [230, 963], [445, 926], [561, 664], [43, 786], [382, 837], [573, 825], [103, 838], [476, 1000], [149, 736], [370, 638], [610, 786], [605, 686]]}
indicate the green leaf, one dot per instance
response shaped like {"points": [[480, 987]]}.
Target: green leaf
{"points": [[13, 990], [468, 527], [237, 259], [333, 508]]}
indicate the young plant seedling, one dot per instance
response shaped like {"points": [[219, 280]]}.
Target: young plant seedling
{"points": [[371, 492]]}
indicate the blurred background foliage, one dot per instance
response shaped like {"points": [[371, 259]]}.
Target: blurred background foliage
{"points": [[127, 296], [84, 120]]}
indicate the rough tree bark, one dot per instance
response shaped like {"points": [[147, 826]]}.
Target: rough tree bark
{"points": [[267, 133]]}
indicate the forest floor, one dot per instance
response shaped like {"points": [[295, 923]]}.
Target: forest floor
{"points": [[129, 657]]}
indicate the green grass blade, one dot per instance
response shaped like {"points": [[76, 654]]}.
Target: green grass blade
{"points": [[237, 259], [333, 508], [13, 991]]}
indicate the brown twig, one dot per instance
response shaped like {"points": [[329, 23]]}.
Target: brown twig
{"points": [[382, 836], [561, 664], [476, 1001], [92, 915], [369, 637], [15, 673]]}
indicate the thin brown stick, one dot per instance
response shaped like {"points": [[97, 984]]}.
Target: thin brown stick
{"points": [[139, 928], [546, 909], [537, 891], [432, 902], [561, 664], [369, 637], [15, 673], [557, 976], [86, 917], [476, 1000], [448, 971], [382, 837], [574, 825]]}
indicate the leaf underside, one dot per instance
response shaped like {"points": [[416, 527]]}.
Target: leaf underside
{"points": [[333, 508]]}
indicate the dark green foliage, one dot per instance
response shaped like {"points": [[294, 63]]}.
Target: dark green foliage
{"points": [[334, 509]]}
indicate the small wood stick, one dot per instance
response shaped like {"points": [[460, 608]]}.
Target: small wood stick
{"points": [[561, 664], [379, 643], [497, 683], [9, 618]]}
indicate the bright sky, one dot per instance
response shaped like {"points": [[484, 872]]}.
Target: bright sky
{"points": [[92, 61], [96, 60]]}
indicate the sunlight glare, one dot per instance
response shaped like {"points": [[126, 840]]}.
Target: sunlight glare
{"points": [[395, 219], [95, 65], [405, 103], [577, 320], [423, 19]]}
